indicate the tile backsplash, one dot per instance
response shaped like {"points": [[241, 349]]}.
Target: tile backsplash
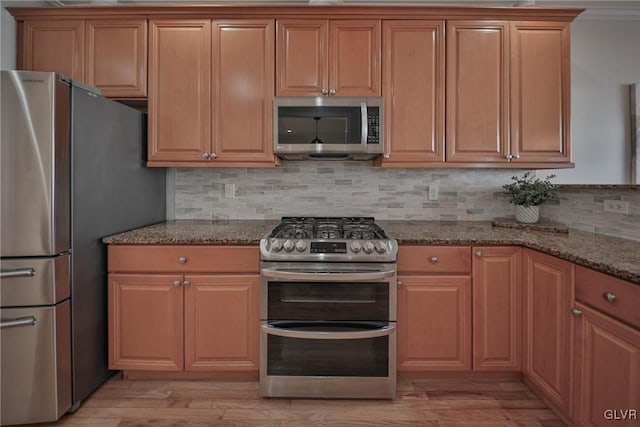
{"points": [[324, 188]]}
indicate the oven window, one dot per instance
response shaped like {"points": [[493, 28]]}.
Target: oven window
{"points": [[328, 301], [366, 357]]}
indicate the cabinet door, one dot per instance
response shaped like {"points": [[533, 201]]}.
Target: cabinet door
{"points": [[302, 57], [354, 58], [540, 91], [116, 57], [145, 322], [497, 308], [548, 297], [221, 322], [179, 91], [413, 90], [607, 371], [54, 45], [477, 91], [434, 323], [243, 53]]}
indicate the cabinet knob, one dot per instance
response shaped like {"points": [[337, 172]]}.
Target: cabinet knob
{"points": [[205, 155], [186, 283], [509, 156], [609, 296], [182, 260], [387, 156], [479, 254], [399, 283], [324, 91], [433, 260], [213, 156], [576, 312], [176, 283], [332, 91], [517, 156]]}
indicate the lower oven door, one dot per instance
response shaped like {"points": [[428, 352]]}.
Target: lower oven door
{"points": [[328, 359]]}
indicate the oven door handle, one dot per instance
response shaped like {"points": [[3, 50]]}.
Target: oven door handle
{"points": [[322, 335], [327, 276]]}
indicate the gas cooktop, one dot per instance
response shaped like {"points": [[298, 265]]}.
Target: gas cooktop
{"points": [[328, 238]]}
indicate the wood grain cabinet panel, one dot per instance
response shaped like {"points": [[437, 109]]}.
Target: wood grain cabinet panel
{"points": [[434, 323], [221, 322], [145, 322], [179, 90], [607, 370], [548, 299], [243, 89], [326, 57], [497, 307], [116, 57], [54, 45], [540, 92], [477, 91], [413, 91]]}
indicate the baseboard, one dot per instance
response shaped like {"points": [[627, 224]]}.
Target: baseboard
{"points": [[192, 375], [461, 375]]}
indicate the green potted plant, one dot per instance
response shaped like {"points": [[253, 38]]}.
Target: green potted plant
{"points": [[528, 193]]}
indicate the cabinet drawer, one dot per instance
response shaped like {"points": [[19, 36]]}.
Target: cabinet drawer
{"points": [[184, 259], [593, 287], [434, 259]]}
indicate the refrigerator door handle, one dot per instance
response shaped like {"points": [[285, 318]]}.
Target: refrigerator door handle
{"points": [[18, 272], [20, 321]]}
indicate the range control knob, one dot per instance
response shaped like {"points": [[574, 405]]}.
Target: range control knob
{"points": [[381, 247], [276, 245], [355, 246], [288, 245], [368, 247], [301, 245]]}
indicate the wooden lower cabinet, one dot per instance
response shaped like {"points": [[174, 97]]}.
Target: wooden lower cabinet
{"points": [[221, 322], [547, 350], [497, 308], [434, 323], [607, 370], [174, 322], [145, 322]]}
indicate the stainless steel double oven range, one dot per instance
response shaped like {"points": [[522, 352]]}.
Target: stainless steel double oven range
{"points": [[328, 296]]}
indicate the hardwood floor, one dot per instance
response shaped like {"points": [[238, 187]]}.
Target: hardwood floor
{"points": [[434, 403]]}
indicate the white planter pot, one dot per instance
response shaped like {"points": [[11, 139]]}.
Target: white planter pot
{"points": [[527, 214]]}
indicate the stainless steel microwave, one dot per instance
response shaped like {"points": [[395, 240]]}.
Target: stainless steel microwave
{"points": [[347, 128]]}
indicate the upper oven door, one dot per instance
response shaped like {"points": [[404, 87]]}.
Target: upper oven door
{"points": [[328, 291], [325, 125]]}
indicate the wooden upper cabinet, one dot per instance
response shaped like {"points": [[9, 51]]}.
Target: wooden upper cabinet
{"points": [[116, 57], [179, 90], [54, 45], [540, 92], [243, 89], [497, 308], [547, 349], [413, 90], [322, 57], [477, 91]]}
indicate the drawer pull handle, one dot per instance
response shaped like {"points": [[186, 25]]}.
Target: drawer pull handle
{"points": [[576, 312], [433, 259], [177, 283], [182, 260], [611, 297]]}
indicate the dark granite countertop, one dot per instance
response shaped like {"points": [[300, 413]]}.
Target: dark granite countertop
{"points": [[612, 255]]}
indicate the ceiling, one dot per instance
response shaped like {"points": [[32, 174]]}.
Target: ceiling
{"points": [[612, 9]]}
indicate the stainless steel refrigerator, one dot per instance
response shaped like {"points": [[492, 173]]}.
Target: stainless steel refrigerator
{"points": [[72, 172]]}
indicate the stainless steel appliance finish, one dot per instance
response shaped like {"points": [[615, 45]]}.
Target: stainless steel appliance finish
{"points": [[328, 310], [72, 172], [330, 128]]}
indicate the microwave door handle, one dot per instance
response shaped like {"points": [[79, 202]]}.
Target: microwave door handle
{"points": [[320, 335], [365, 125]]}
